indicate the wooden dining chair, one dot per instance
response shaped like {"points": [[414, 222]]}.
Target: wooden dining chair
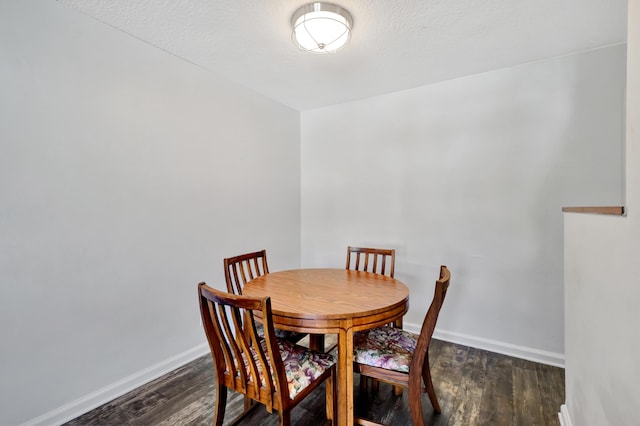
{"points": [[239, 270], [401, 358], [376, 260], [273, 372]]}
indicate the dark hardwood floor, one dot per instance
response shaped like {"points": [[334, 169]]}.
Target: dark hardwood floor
{"points": [[474, 387]]}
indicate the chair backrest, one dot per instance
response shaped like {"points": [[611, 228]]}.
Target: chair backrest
{"points": [[376, 260], [241, 361], [239, 270], [430, 319]]}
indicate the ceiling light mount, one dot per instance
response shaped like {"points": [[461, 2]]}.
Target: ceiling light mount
{"points": [[321, 27]]}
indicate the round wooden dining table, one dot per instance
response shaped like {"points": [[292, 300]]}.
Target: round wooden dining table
{"points": [[333, 301]]}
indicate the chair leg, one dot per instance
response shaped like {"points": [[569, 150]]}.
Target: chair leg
{"points": [[397, 390], [431, 392], [415, 396], [332, 397], [316, 342], [363, 383], [426, 377], [221, 404], [284, 418]]}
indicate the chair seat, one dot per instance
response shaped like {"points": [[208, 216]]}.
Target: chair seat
{"points": [[385, 347], [301, 365]]}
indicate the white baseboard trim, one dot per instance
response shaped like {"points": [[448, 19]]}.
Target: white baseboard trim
{"points": [[524, 352], [563, 415], [95, 399]]}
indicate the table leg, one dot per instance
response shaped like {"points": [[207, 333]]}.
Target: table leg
{"points": [[345, 377], [316, 342]]}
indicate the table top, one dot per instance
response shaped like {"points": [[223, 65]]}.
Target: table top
{"points": [[329, 293]]}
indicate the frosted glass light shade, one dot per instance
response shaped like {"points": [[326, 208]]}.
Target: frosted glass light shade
{"points": [[321, 27]]}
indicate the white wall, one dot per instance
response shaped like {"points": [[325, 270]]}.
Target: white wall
{"points": [[602, 288], [471, 173], [126, 175]]}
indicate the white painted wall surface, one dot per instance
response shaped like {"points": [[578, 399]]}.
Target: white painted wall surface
{"points": [[602, 287], [471, 173], [126, 175]]}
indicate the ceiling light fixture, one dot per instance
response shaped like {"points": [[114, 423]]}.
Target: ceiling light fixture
{"points": [[321, 27]]}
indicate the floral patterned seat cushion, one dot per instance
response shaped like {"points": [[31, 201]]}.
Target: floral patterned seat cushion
{"points": [[385, 347], [302, 366]]}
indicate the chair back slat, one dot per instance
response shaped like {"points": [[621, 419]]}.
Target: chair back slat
{"points": [[239, 270], [373, 260]]}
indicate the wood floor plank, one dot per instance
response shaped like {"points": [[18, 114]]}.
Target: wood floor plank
{"points": [[527, 400], [197, 373], [435, 348], [496, 404], [122, 410], [192, 414], [551, 383], [200, 396], [470, 389]]}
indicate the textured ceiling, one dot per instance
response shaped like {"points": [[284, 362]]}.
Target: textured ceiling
{"points": [[395, 45]]}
